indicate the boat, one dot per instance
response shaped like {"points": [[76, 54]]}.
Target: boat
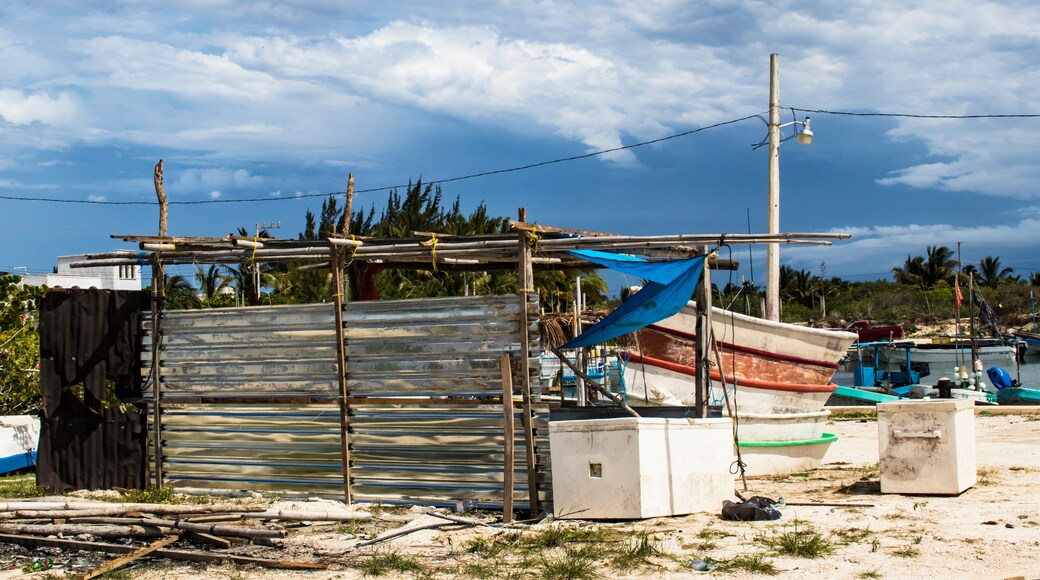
{"points": [[776, 377], [784, 457], [1031, 340], [19, 438], [652, 381], [944, 357], [1018, 396], [751, 348]]}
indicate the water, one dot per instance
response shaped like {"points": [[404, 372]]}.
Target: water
{"points": [[1029, 371]]}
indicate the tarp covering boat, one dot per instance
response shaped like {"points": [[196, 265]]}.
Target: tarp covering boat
{"points": [[670, 286]]}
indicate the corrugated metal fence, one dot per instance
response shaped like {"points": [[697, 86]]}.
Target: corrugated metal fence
{"points": [[249, 399]]}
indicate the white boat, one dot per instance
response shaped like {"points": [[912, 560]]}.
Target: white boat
{"points": [[751, 348], [650, 381], [781, 426]]}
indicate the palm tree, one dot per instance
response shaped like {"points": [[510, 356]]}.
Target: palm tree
{"points": [[210, 281], [991, 274], [1034, 279], [939, 265], [911, 272]]}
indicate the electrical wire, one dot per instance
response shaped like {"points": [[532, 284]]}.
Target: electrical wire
{"points": [[390, 187], [794, 111]]}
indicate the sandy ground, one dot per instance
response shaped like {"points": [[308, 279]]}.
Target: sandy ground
{"points": [[989, 531]]}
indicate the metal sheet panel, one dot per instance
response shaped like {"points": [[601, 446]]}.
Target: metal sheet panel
{"points": [[441, 349]]}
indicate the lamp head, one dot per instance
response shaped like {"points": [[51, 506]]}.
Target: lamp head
{"points": [[805, 135]]}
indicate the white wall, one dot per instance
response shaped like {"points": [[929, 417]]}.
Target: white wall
{"points": [[104, 277]]}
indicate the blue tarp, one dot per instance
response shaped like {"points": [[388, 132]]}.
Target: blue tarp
{"points": [[670, 286]]}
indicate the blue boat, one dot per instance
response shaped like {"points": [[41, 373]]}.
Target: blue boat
{"points": [[1009, 392]]}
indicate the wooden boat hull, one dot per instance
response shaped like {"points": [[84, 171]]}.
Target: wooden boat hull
{"points": [[650, 381], [751, 348]]}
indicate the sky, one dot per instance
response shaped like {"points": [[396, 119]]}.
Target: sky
{"points": [[277, 102]]}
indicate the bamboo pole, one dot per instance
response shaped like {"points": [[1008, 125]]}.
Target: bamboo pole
{"points": [[341, 367], [508, 467], [526, 275], [702, 339]]}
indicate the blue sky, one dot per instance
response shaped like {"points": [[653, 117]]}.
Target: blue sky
{"points": [[276, 100]]}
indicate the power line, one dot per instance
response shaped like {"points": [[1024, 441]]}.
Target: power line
{"points": [[389, 187], [523, 167], [913, 116]]}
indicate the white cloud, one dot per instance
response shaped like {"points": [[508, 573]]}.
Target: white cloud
{"points": [[211, 180], [96, 198], [20, 108], [214, 194]]}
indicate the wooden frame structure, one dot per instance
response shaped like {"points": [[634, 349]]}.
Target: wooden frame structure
{"points": [[530, 247]]}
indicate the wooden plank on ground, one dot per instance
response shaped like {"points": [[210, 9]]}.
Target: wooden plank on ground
{"points": [[128, 558]]}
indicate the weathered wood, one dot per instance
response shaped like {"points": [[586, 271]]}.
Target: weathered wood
{"points": [[127, 559], [209, 539], [102, 531], [113, 510], [336, 262], [526, 275], [160, 193], [509, 443], [703, 344], [217, 530], [311, 516], [536, 228], [205, 557], [404, 532], [154, 508]]}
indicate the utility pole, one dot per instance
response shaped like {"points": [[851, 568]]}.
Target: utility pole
{"points": [[773, 248]]}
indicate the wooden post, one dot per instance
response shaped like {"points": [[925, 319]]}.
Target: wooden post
{"points": [[703, 343], [526, 275], [508, 466], [341, 366], [158, 294]]}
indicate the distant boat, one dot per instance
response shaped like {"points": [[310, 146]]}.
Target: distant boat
{"points": [[1031, 340], [945, 356]]}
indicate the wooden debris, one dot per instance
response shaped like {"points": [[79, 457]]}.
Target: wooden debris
{"points": [[210, 539], [205, 557], [311, 515], [218, 530], [101, 531], [127, 559], [404, 532]]}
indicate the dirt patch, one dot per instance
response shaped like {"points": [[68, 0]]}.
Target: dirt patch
{"points": [[989, 531]]}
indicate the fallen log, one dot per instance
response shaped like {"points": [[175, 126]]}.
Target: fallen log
{"points": [[314, 516], [127, 559], [204, 557], [217, 530], [102, 531], [54, 510]]}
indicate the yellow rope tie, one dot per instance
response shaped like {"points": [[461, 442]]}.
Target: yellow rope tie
{"points": [[535, 239], [353, 253], [252, 257], [433, 251]]}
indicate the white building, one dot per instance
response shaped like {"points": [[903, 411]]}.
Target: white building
{"points": [[102, 277]]}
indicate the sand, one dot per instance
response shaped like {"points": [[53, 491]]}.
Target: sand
{"points": [[990, 531]]}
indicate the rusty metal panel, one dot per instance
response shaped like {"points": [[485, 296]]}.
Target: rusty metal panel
{"points": [[443, 350]]}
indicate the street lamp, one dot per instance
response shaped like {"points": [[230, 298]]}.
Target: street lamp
{"points": [[804, 137]]}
